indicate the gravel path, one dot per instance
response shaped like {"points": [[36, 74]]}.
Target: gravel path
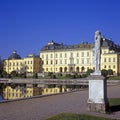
{"points": [[42, 108]]}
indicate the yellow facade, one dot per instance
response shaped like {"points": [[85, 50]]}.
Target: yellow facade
{"points": [[78, 58], [111, 61], [55, 90], [10, 93], [68, 60], [31, 63]]}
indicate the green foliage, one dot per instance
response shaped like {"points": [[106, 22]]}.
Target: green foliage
{"points": [[110, 72], [68, 75], [104, 72], [114, 101], [50, 73], [22, 75], [71, 116], [89, 71], [14, 74], [59, 74], [114, 78], [4, 74], [84, 75], [35, 75]]}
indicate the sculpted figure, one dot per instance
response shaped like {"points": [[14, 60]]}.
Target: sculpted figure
{"points": [[97, 52]]}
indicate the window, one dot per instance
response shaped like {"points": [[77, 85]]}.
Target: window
{"points": [[65, 55], [114, 66], [42, 56], [87, 60], [56, 62], [60, 55], [71, 54], [51, 62], [109, 66], [104, 59], [65, 61], [47, 62], [82, 54], [87, 54], [46, 56], [82, 61], [60, 61], [104, 66], [77, 54], [113, 59]]}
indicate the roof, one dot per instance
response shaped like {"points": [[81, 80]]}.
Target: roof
{"points": [[56, 46], [14, 55], [109, 43], [84, 45]]}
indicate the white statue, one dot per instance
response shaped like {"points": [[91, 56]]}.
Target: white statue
{"points": [[97, 52]]}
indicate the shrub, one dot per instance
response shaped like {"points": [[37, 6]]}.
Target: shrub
{"points": [[84, 75], [35, 75], [110, 72], [104, 72], [89, 71]]}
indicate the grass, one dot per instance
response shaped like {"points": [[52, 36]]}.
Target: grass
{"points": [[114, 105], [114, 101], [71, 116], [114, 78]]}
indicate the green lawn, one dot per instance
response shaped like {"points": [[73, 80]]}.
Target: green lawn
{"points": [[71, 116], [114, 78], [114, 101]]}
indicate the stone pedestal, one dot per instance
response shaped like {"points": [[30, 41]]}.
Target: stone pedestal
{"points": [[97, 101]]}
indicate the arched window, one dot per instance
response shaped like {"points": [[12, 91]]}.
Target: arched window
{"points": [[77, 69], [65, 69], [82, 69], [61, 69]]}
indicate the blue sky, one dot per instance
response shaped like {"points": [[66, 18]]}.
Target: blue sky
{"points": [[28, 25]]}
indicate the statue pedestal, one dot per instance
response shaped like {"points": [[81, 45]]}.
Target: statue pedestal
{"points": [[97, 101]]}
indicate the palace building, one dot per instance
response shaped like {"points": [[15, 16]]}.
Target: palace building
{"points": [[30, 64], [79, 58]]}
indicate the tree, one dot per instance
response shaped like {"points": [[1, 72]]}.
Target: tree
{"points": [[104, 72], [89, 71], [4, 74], [110, 72], [35, 75], [14, 74]]}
